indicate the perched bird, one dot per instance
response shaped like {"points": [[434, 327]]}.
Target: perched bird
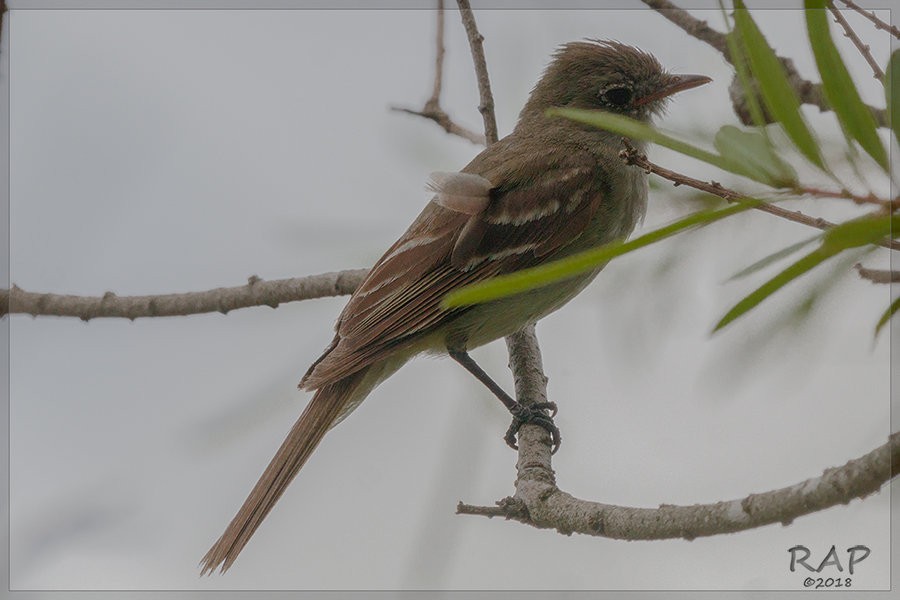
{"points": [[549, 189]]}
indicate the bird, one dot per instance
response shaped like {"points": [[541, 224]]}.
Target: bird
{"points": [[549, 189]]}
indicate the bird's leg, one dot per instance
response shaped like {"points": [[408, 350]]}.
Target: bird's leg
{"points": [[521, 414]]}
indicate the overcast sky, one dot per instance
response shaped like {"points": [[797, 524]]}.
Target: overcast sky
{"points": [[168, 151]]}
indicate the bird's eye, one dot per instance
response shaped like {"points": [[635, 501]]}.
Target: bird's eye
{"points": [[617, 96]]}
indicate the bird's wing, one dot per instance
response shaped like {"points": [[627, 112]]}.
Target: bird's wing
{"points": [[471, 231]]}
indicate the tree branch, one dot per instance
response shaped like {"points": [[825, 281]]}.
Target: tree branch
{"points": [[486, 105], [439, 54], [632, 157], [432, 109], [807, 91], [527, 368], [691, 25], [863, 48], [256, 293], [541, 504], [877, 275], [870, 198], [879, 24], [437, 114]]}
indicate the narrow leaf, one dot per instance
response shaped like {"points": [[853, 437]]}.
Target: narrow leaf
{"points": [[886, 317], [805, 264], [535, 277], [634, 129], [772, 258], [892, 91], [864, 230], [778, 94], [755, 155], [840, 91], [850, 234], [744, 79], [641, 131]]}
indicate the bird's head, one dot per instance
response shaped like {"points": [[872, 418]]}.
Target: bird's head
{"points": [[606, 75]]}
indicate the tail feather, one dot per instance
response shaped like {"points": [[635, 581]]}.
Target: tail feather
{"points": [[328, 404]]}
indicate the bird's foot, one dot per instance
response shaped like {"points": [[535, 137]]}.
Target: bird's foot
{"points": [[534, 415]]}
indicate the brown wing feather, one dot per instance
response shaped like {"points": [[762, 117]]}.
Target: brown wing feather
{"points": [[400, 300]]}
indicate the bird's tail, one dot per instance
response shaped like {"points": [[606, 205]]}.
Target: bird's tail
{"points": [[329, 404]]}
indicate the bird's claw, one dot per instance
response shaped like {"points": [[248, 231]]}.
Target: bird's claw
{"points": [[534, 415]]}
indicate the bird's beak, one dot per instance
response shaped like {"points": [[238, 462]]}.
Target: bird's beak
{"points": [[674, 84]]}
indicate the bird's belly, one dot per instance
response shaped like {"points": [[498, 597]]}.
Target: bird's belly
{"points": [[490, 321]]}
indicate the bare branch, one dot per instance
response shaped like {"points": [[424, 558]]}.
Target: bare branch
{"points": [[541, 504], [527, 368], [877, 275], [432, 109], [691, 25], [879, 24], [440, 117], [438, 55], [848, 195], [807, 91], [632, 157], [486, 105], [256, 293], [863, 48]]}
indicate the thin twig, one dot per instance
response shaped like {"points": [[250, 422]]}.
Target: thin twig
{"points": [[848, 195], [438, 56], [445, 121], [542, 504], [486, 98], [484, 511], [807, 91], [863, 48], [879, 24], [877, 275], [256, 293], [691, 25], [432, 109], [632, 157]]}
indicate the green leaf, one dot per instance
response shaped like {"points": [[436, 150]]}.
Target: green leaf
{"points": [[857, 232], [886, 317], [840, 91], [634, 129], [772, 258], [746, 82], [641, 131], [892, 91], [778, 94], [805, 264], [752, 153], [850, 234], [535, 277]]}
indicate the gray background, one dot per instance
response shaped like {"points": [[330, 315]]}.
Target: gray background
{"points": [[157, 151]]}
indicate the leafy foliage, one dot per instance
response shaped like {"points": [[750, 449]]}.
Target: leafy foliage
{"points": [[839, 88], [780, 98]]}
